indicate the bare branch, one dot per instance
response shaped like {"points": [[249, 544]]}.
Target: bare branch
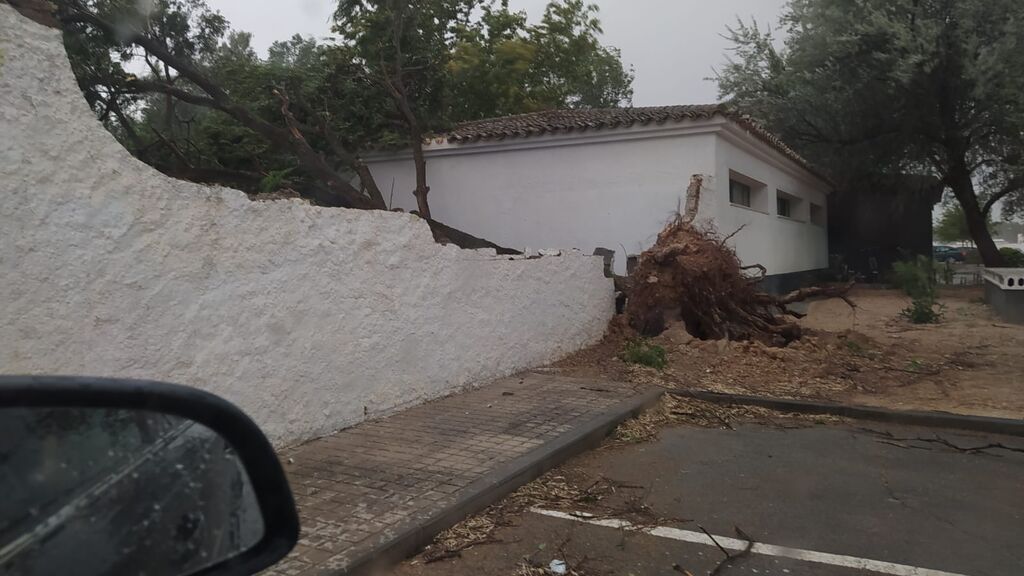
{"points": [[734, 233], [1014, 184], [760, 267], [138, 86], [837, 291], [172, 147]]}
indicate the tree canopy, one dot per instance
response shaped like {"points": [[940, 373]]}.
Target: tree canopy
{"points": [[952, 225], [207, 107], [439, 64], [895, 86]]}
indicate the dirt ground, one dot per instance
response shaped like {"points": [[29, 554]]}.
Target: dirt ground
{"points": [[969, 363]]}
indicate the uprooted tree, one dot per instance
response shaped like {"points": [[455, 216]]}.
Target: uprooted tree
{"points": [[692, 275]]}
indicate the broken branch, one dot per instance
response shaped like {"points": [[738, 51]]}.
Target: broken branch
{"points": [[837, 291], [729, 558], [734, 233]]}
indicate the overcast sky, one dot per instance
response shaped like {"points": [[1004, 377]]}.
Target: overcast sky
{"points": [[672, 44]]}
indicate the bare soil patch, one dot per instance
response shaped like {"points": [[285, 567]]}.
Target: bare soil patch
{"points": [[969, 363]]}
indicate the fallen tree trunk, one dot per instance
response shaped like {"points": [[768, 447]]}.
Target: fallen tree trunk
{"points": [[444, 234], [692, 275]]}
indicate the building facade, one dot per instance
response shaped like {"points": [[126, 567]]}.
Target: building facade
{"points": [[613, 178]]}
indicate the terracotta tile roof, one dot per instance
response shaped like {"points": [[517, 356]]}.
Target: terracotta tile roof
{"points": [[566, 121]]}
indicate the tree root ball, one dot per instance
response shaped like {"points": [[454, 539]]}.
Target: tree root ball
{"points": [[692, 275]]}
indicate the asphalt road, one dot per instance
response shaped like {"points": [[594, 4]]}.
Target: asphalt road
{"points": [[830, 501]]}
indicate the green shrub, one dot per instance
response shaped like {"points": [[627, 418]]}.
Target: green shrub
{"points": [[923, 310], [641, 351], [273, 180], [916, 277], [1014, 258]]}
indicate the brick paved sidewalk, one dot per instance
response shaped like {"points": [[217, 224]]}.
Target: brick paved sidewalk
{"points": [[380, 489]]}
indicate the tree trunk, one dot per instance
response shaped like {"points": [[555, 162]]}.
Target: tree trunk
{"points": [[168, 104], [421, 175], [963, 188], [368, 182]]}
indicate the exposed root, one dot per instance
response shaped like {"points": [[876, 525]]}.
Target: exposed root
{"points": [[691, 274]]}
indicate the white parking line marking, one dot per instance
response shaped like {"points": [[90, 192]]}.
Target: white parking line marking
{"points": [[758, 548]]}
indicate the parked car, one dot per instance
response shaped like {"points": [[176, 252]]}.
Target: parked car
{"points": [[949, 254]]}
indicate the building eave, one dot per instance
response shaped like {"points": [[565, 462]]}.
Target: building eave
{"points": [[727, 128]]}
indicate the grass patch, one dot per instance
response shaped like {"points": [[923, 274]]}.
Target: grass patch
{"points": [[856, 348], [641, 351]]}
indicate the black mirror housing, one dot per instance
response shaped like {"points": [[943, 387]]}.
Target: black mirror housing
{"points": [[249, 446]]}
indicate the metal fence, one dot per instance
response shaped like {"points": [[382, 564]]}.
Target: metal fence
{"points": [[956, 274]]}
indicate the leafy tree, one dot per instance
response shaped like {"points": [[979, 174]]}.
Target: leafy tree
{"points": [[404, 47], [441, 64], [182, 67], [952, 224], [492, 67], [189, 30], [572, 67], [501, 66], [876, 86], [209, 109]]}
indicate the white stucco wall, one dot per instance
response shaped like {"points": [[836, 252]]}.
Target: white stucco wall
{"points": [[576, 191], [308, 318], [783, 245], [614, 189]]}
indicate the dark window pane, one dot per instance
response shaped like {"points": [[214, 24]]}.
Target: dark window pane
{"points": [[783, 206], [739, 193]]}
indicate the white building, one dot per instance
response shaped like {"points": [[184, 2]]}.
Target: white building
{"points": [[612, 178]]}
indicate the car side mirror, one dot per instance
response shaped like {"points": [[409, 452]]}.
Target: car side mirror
{"points": [[102, 476]]}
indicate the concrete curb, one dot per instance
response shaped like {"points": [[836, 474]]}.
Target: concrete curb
{"points": [[499, 483], [908, 417]]}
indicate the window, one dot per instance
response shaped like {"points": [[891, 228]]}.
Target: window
{"points": [[817, 214], [784, 206], [739, 193], [789, 206]]}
